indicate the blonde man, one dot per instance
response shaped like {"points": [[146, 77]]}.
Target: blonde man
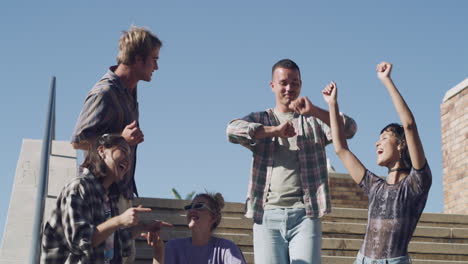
{"points": [[112, 107]]}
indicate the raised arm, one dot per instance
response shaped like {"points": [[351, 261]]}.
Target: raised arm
{"points": [[351, 162], [303, 106], [413, 141]]}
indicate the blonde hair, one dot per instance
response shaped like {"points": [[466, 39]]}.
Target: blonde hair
{"points": [[216, 201], [138, 41]]}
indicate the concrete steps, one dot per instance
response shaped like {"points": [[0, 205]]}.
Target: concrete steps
{"points": [[438, 238]]}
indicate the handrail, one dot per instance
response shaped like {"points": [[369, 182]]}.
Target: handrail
{"points": [[41, 194]]}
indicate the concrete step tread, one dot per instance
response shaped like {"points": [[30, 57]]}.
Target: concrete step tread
{"points": [[337, 212], [244, 225], [345, 244]]}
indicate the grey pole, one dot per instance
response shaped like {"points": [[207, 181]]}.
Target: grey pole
{"points": [[43, 177]]}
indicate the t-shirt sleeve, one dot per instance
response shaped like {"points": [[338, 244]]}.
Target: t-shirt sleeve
{"points": [[368, 181], [95, 117], [232, 253], [420, 181]]}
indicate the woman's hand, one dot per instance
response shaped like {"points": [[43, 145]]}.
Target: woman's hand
{"points": [[130, 217], [155, 241], [330, 93], [383, 70]]}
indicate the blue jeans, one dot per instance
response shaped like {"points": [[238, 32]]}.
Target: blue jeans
{"points": [[361, 259], [287, 235]]}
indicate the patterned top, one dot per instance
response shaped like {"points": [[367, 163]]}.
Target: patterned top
{"points": [[217, 251], [312, 137], [394, 211], [109, 243], [108, 108], [79, 210]]}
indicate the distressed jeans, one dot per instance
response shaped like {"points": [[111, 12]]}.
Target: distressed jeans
{"points": [[287, 235]]}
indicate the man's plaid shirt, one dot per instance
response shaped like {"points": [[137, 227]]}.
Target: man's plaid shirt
{"points": [[312, 137], [79, 210], [109, 107]]}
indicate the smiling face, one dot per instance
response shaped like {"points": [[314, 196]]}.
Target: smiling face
{"points": [[146, 67], [388, 149], [117, 160], [286, 85], [201, 219]]}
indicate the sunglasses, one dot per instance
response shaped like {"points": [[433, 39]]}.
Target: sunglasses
{"points": [[198, 207]]}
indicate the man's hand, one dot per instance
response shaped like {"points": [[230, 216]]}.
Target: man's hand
{"points": [[383, 70], [132, 134], [285, 130], [130, 217], [302, 106], [330, 93]]}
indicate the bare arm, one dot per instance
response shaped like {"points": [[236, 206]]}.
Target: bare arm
{"points": [[128, 219], [351, 162], [304, 107], [413, 141], [154, 240], [104, 230]]}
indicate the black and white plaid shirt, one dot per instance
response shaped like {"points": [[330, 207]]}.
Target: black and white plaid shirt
{"points": [[79, 210]]}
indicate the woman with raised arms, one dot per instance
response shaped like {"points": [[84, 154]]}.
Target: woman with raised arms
{"points": [[397, 202]]}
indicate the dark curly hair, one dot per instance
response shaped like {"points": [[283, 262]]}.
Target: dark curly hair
{"points": [[398, 131], [93, 161]]}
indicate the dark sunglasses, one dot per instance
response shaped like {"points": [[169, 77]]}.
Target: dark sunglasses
{"points": [[198, 207]]}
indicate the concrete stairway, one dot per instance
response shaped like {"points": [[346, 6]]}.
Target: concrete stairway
{"points": [[439, 238]]}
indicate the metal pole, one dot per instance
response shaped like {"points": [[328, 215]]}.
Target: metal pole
{"points": [[43, 177]]}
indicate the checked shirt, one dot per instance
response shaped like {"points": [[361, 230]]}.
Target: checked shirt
{"points": [[79, 210], [312, 137]]}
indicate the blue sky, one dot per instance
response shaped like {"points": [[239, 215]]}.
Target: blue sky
{"points": [[215, 66]]}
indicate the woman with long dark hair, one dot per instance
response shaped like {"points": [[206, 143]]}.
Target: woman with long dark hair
{"points": [[86, 226], [397, 202]]}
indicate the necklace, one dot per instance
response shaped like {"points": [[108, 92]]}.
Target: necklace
{"points": [[399, 169]]}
